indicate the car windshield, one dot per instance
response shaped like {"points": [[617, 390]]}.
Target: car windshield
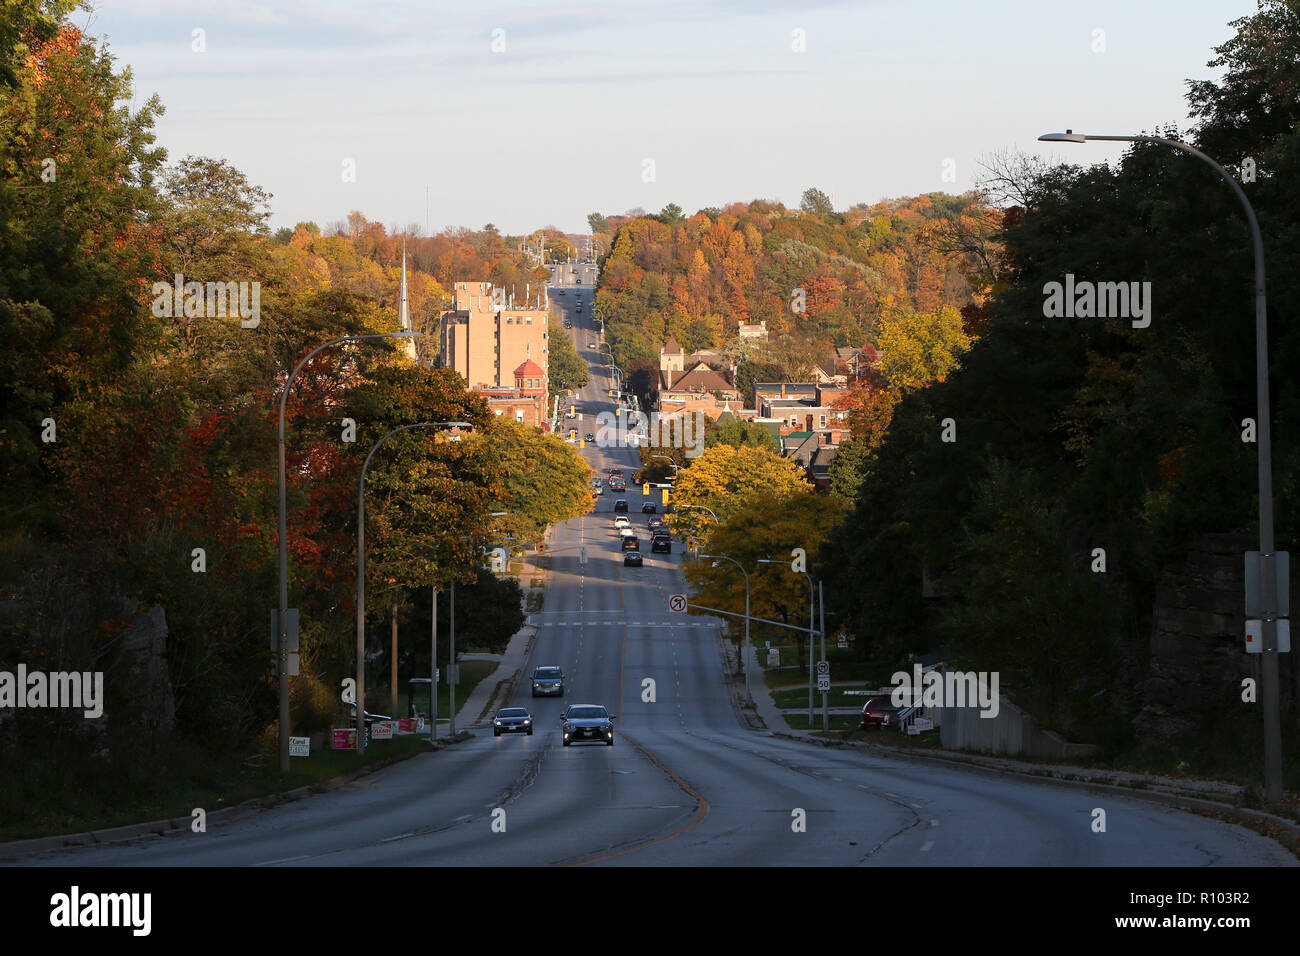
{"points": [[513, 712], [881, 703], [547, 672], [587, 713]]}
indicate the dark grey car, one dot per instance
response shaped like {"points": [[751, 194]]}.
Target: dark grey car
{"points": [[548, 682], [587, 722], [512, 720]]}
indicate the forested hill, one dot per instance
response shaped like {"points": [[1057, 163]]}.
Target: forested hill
{"points": [[698, 278]]}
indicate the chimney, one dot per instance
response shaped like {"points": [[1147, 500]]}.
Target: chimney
{"points": [[808, 420]]}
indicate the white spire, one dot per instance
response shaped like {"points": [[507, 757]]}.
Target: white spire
{"points": [[404, 309]]}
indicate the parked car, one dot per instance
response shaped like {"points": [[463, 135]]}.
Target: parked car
{"points": [[632, 559], [548, 681], [512, 720], [621, 505], [630, 543], [590, 437], [878, 713], [649, 508], [661, 542], [589, 722]]}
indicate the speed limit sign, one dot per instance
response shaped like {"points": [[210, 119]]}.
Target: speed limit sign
{"points": [[823, 684]]}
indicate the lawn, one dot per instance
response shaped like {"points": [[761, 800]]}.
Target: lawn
{"points": [[798, 697], [471, 673]]}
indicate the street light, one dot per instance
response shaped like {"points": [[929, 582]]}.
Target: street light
{"points": [[811, 633], [749, 698], [1269, 682], [361, 574], [282, 627], [674, 465]]}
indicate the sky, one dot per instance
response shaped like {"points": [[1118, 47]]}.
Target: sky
{"points": [[527, 114]]}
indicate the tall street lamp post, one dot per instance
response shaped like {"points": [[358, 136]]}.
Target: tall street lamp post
{"points": [[361, 575], [749, 698], [811, 632], [1269, 681], [283, 636]]}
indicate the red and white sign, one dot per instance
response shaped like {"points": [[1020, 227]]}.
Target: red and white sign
{"points": [[677, 603], [381, 730]]}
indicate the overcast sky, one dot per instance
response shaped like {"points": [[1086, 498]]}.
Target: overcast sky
{"points": [[729, 100]]}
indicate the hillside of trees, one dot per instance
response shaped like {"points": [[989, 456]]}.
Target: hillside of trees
{"points": [[138, 448], [818, 278], [1084, 433]]}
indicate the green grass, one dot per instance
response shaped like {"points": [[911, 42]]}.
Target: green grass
{"points": [[837, 721], [798, 697], [887, 738], [59, 798], [471, 673]]}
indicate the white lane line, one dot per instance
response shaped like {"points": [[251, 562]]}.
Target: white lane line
{"points": [[926, 847], [934, 823], [287, 859]]}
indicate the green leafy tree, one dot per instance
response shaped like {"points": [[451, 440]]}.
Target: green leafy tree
{"points": [[567, 370], [816, 202]]}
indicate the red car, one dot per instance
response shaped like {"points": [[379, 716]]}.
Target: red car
{"points": [[878, 713]]}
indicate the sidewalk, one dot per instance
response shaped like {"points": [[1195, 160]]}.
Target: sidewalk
{"points": [[502, 679]]}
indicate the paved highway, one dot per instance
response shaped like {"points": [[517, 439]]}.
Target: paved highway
{"points": [[685, 783]]}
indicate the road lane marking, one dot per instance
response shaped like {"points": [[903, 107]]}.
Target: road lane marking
{"points": [[926, 847]]}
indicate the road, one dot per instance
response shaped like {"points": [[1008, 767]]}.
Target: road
{"points": [[685, 784]]}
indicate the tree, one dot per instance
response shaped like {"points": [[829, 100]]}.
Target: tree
{"points": [[724, 479], [546, 480], [567, 369], [920, 348], [598, 223], [672, 214], [727, 429], [816, 202], [207, 202], [767, 526]]}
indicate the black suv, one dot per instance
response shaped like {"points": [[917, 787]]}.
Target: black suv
{"points": [[661, 542], [621, 505]]}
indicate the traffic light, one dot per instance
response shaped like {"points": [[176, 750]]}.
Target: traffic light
{"points": [[573, 409], [645, 488], [573, 434], [665, 496]]}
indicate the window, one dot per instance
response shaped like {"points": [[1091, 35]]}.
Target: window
{"points": [[519, 414], [822, 422], [529, 320], [794, 421]]}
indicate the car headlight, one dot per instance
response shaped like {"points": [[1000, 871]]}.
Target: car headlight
{"points": [[528, 720], [497, 722]]}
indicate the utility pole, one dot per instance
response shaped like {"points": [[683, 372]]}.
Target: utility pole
{"points": [[433, 671], [393, 664], [451, 664], [821, 611]]}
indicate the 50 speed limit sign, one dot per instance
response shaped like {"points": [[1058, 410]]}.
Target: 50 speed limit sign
{"points": [[677, 603]]}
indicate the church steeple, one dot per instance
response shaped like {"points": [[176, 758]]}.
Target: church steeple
{"points": [[404, 309]]}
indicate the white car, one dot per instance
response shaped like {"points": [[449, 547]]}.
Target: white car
{"points": [[621, 521], [626, 532]]}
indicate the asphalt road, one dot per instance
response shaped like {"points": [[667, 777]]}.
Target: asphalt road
{"points": [[685, 784]]}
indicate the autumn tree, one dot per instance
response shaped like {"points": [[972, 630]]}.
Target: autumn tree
{"points": [[724, 478]]}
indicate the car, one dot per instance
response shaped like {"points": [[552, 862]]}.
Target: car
{"points": [[630, 543], [590, 437], [618, 484], [661, 542], [615, 473], [649, 508], [632, 559], [621, 522], [548, 681], [626, 532], [512, 720], [579, 308], [589, 722], [654, 524], [620, 504], [878, 712], [591, 345], [568, 324], [560, 292]]}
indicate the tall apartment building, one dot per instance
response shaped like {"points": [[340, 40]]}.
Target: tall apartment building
{"points": [[486, 340]]}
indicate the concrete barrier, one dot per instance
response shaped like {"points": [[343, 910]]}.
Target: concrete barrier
{"points": [[1012, 732]]}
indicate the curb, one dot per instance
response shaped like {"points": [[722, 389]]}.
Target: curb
{"points": [[174, 825], [1242, 815]]}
